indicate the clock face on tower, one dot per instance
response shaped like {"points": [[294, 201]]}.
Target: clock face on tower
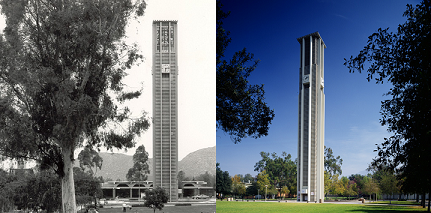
{"points": [[306, 79]]}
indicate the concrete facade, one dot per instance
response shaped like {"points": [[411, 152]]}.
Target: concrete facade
{"points": [[165, 107], [311, 119]]}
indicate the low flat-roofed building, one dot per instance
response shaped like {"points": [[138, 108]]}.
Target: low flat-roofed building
{"points": [[125, 189]]}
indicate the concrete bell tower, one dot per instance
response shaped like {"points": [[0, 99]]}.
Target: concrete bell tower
{"points": [[165, 106], [311, 119]]}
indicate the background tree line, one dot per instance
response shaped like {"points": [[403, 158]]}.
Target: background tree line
{"points": [[42, 189], [277, 178]]}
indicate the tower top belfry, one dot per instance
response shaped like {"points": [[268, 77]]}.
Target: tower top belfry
{"points": [[315, 34], [311, 119]]}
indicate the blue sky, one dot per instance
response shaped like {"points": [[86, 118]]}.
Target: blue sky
{"points": [[269, 31]]}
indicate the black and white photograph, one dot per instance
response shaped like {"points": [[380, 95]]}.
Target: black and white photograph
{"points": [[107, 106]]}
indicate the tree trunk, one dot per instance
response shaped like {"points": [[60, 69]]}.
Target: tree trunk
{"points": [[423, 200], [429, 196], [68, 202]]}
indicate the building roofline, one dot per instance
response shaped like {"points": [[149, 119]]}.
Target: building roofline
{"points": [[155, 21]]}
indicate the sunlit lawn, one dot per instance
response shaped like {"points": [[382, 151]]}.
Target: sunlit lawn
{"points": [[230, 206]]}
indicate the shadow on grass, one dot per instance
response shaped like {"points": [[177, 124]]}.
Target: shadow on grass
{"points": [[389, 208]]}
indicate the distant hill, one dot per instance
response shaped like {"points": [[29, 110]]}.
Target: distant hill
{"points": [[116, 165], [199, 162]]}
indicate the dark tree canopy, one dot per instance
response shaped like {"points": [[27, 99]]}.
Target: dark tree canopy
{"points": [[223, 181], [140, 169], [59, 64], [403, 58], [156, 198], [241, 109]]}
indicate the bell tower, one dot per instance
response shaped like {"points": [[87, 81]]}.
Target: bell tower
{"points": [[311, 119], [165, 107]]}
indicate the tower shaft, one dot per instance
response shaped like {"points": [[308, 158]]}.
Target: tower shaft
{"points": [[311, 119], [165, 107]]}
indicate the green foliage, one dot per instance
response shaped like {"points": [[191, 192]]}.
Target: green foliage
{"points": [[332, 163], [284, 191], [223, 181], [156, 198], [281, 170], [351, 190], [403, 59], [370, 186], [241, 110], [263, 182], [238, 187], [350, 187], [252, 190], [337, 187], [388, 183], [140, 167], [327, 182], [248, 178]]}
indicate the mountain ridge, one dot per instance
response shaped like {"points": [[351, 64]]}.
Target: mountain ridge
{"points": [[116, 165]]}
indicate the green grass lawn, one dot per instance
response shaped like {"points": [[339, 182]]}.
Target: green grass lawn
{"points": [[226, 206]]}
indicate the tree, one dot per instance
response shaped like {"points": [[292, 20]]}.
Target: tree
{"points": [[337, 187], [281, 170], [44, 190], [180, 177], [388, 184], [327, 182], [240, 107], [30, 191], [140, 167], [62, 63], [223, 181], [284, 191], [87, 186], [351, 189], [252, 190], [332, 163], [7, 191], [263, 182], [248, 178], [370, 186], [156, 198], [403, 59], [238, 187], [89, 158], [359, 180], [208, 178]]}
